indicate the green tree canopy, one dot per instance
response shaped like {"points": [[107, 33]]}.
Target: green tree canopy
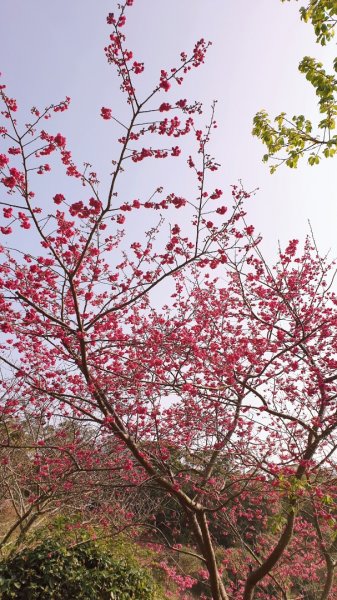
{"points": [[288, 139]]}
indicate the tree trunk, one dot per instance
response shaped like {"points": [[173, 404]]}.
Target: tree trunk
{"points": [[265, 568], [217, 587], [329, 578]]}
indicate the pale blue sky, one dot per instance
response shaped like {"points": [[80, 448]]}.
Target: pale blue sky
{"points": [[52, 49]]}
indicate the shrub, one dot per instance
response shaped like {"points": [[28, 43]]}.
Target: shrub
{"points": [[53, 571]]}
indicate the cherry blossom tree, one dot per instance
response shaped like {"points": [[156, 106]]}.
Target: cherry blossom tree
{"points": [[222, 399], [62, 471]]}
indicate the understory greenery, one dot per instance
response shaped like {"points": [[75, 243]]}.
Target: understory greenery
{"points": [[54, 570]]}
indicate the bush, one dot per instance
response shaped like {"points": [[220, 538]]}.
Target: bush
{"points": [[53, 571]]}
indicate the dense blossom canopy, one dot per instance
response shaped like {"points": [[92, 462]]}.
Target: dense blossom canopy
{"points": [[220, 400]]}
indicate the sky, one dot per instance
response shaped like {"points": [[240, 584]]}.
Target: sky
{"points": [[49, 50]]}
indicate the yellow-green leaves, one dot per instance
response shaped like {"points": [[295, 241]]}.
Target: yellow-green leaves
{"points": [[323, 16], [288, 139]]}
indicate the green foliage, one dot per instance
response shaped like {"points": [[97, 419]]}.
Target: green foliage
{"points": [[53, 571], [323, 16], [286, 139], [276, 523]]}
